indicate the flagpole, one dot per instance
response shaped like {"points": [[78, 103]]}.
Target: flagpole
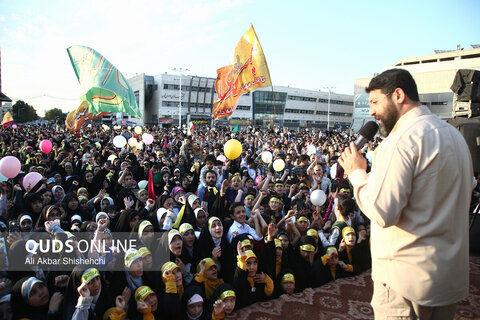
{"points": [[268, 70]]}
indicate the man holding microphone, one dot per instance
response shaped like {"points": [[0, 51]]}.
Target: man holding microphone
{"points": [[417, 197]]}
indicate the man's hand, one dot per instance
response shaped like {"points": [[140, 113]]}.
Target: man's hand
{"points": [[351, 159]]}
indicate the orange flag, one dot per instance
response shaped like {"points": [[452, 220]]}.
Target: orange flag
{"points": [[249, 72], [76, 118]]}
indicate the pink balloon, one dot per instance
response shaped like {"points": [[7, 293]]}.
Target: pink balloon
{"points": [[46, 146], [31, 179], [10, 167], [14, 126], [222, 158], [147, 138], [258, 179]]}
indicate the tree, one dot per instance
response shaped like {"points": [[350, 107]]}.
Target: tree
{"points": [[54, 113], [23, 112]]}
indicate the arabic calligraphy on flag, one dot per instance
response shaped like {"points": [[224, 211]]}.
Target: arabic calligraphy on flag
{"points": [[249, 72], [76, 118]]}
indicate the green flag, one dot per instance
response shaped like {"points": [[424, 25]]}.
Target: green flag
{"points": [[235, 129], [102, 85]]}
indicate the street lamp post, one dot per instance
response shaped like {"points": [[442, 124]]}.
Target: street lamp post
{"points": [[180, 71], [330, 90]]}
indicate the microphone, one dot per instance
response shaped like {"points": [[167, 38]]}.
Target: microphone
{"points": [[367, 133]]}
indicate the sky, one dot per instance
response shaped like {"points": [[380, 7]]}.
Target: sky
{"points": [[307, 44]]}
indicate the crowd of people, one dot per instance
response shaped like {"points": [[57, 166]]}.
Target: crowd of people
{"points": [[215, 234]]}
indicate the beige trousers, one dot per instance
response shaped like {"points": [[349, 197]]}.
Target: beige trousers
{"points": [[387, 304]]}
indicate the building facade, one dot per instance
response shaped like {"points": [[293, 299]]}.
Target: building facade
{"points": [[434, 76], [159, 97]]}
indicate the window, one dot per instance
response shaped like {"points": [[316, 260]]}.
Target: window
{"points": [[346, 103], [298, 98], [243, 107], [439, 103], [170, 103], [323, 100], [170, 86]]}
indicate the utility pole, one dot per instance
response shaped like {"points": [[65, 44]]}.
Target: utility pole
{"points": [[180, 71], [330, 90]]}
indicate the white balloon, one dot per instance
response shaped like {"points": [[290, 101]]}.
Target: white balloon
{"points": [[267, 156], [333, 171], [139, 145], [119, 141], [311, 149], [318, 197]]}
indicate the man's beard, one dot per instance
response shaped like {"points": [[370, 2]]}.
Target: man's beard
{"points": [[389, 119]]}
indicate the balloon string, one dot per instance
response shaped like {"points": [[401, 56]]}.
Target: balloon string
{"points": [[329, 209]]}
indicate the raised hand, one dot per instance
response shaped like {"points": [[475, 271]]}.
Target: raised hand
{"points": [[218, 307], [83, 290]]}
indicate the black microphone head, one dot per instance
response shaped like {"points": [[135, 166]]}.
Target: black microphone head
{"points": [[369, 130]]}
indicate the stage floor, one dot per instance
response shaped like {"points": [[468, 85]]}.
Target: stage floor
{"points": [[346, 299]]}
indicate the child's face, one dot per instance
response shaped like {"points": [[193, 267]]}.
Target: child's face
{"points": [[195, 309], [229, 304], [333, 261], [288, 287], [209, 164], [252, 267], [239, 215], [212, 273], [136, 269], [350, 239], [302, 226]]}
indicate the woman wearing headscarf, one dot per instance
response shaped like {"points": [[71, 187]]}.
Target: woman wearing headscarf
{"points": [[127, 220], [31, 299], [75, 306], [71, 206], [143, 232], [162, 216], [213, 243], [49, 213], [47, 196], [34, 205], [58, 194]]}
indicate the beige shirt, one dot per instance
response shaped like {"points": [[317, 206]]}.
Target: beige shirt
{"points": [[417, 197]]}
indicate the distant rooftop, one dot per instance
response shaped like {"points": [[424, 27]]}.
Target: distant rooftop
{"points": [[443, 55]]}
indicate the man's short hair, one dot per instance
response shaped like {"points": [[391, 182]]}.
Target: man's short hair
{"points": [[234, 206], [346, 205], [392, 79], [211, 158]]}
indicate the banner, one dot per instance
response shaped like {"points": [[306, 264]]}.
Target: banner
{"points": [[249, 73], [102, 85], [76, 118]]}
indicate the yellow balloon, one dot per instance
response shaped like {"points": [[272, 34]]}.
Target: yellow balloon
{"points": [[138, 129], [278, 165], [232, 149], [132, 142], [129, 128]]}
